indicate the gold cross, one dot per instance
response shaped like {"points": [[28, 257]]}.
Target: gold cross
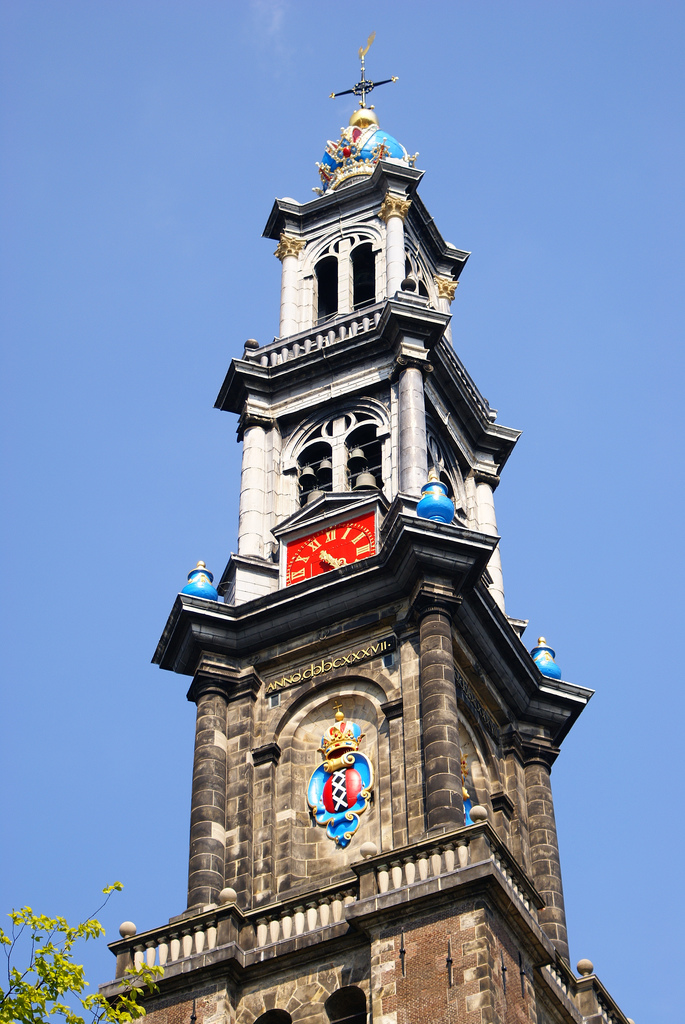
{"points": [[365, 86]]}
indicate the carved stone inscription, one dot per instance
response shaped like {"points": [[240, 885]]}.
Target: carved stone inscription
{"points": [[320, 668]]}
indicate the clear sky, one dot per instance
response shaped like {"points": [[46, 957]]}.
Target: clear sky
{"points": [[143, 144]]}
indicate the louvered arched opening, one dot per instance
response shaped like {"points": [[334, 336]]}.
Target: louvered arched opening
{"points": [[327, 288], [363, 275], [364, 458]]}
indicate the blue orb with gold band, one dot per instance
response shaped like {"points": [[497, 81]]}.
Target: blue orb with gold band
{"points": [[544, 656], [435, 503], [200, 583]]}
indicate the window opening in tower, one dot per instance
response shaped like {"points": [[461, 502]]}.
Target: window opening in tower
{"points": [[315, 471], [327, 288], [363, 276], [364, 458]]}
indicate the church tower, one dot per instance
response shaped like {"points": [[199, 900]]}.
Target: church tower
{"points": [[372, 832]]}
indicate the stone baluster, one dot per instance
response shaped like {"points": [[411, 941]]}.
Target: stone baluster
{"points": [[288, 251], [393, 211], [311, 916]]}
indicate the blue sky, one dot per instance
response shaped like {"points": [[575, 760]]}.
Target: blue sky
{"points": [[143, 143]]}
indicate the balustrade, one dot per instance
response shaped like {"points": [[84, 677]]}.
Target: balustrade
{"points": [[312, 912], [277, 352]]}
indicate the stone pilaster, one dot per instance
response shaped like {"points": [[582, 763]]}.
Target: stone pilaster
{"points": [[393, 211], [288, 252], [209, 691], [439, 719], [544, 850], [514, 782], [264, 760]]}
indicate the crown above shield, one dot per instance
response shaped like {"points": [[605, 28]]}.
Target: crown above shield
{"points": [[340, 737]]}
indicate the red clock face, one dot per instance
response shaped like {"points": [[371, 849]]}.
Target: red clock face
{"points": [[329, 548]]}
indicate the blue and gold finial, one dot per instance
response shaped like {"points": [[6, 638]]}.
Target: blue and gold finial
{"points": [[362, 144], [200, 583], [435, 503], [544, 656]]}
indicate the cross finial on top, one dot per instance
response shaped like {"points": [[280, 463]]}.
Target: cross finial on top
{"points": [[363, 87], [338, 711]]}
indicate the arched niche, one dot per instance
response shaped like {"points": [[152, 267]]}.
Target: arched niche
{"points": [[303, 850], [483, 776]]}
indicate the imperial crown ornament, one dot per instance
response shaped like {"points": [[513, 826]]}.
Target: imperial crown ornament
{"points": [[339, 790]]}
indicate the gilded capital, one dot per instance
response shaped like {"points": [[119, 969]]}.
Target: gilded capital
{"points": [[289, 246], [394, 206], [446, 287]]}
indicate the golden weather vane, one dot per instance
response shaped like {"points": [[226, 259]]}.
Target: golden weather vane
{"points": [[364, 86]]}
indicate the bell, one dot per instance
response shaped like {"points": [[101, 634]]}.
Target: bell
{"points": [[356, 460], [325, 472], [307, 478], [364, 481], [314, 495]]}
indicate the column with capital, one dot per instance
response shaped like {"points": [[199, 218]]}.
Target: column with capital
{"points": [[487, 523], [288, 252], [446, 287], [393, 211]]}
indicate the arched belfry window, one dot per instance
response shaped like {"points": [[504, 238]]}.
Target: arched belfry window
{"points": [[327, 288], [364, 458], [412, 268], [349, 451], [315, 471], [446, 466], [346, 1006], [363, 275]]}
